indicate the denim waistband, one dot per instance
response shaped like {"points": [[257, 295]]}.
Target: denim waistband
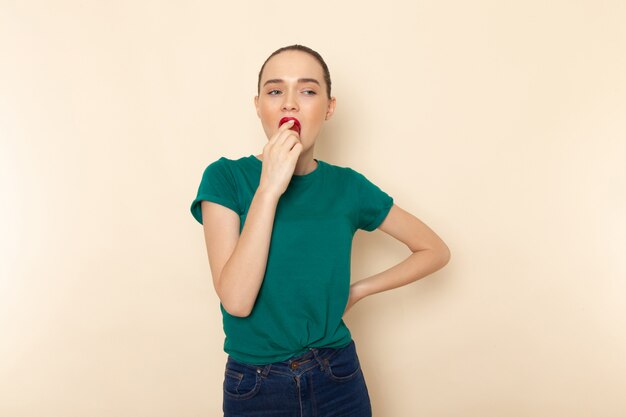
{"points": [[299, 364]]}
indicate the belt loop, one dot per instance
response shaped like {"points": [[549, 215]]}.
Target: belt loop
{"points": [[264, 370], [318, 358]]}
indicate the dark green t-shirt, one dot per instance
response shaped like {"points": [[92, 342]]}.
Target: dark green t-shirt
{"points": [[307, 279]]}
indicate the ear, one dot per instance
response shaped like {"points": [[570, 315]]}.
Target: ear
{"points": [[256, 105], [331, 108]]}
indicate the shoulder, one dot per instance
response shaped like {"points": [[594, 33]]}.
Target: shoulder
{"points": [[340, 170], [225, 164], [361, 182], [226, 161], [351, 177]]}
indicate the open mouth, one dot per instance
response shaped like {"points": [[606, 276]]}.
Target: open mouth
{"points": [[296, 123]]}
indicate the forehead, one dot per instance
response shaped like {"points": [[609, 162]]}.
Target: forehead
{"points": [[293, 64]]}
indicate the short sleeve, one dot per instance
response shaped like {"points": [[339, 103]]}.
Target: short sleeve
{"points": [[373, 203], [218, 186]]}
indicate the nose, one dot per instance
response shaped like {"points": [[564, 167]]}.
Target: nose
{"points": [[290, 103]]}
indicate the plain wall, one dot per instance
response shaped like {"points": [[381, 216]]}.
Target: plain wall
{"points": [[501, 125]]}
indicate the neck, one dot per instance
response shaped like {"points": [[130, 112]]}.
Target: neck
{"points": [[305, 164]]}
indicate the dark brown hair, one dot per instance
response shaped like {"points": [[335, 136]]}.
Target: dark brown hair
{"points": [[309, 51]]}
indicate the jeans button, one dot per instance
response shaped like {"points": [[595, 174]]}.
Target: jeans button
{"points": [[294, 365]]}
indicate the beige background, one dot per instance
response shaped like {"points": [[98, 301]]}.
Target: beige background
{"points": [[502, 125]]}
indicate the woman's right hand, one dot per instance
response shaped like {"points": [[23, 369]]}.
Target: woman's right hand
{"points": [[280, 155]]}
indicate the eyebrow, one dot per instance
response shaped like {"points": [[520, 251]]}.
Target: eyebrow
{"points": [[300, 80]]}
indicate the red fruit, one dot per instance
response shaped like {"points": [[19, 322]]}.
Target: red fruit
{"points": [[296, 123]]}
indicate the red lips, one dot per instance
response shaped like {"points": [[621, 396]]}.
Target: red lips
{"points": [[296, 123]]}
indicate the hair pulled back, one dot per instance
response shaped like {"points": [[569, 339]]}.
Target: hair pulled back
{"points": [[301, 48]]}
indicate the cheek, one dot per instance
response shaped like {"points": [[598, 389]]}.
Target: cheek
{"points": [[264, 112], [266, 115]]}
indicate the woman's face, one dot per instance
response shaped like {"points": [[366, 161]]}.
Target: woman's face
{"points": [[292, 85]]}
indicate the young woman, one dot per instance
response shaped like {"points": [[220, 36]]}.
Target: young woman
{"points": [[278, 228]]}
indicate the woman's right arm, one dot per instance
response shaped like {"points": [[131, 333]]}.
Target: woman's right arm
{"points": [[238, 261]]}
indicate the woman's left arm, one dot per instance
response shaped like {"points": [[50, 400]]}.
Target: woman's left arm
{"points": [[430, 254]]}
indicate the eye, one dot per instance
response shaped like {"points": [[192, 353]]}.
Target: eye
{"points": [[309, 92], [271, 92]]}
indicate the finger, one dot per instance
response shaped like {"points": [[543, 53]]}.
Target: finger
{"points": [[289, 141], [285, 126], [284, 146], [284, 136], [289, 123], [281, 129], [296, 150]]}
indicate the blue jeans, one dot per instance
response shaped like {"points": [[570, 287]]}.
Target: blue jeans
{"points": [[323, 382]]}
